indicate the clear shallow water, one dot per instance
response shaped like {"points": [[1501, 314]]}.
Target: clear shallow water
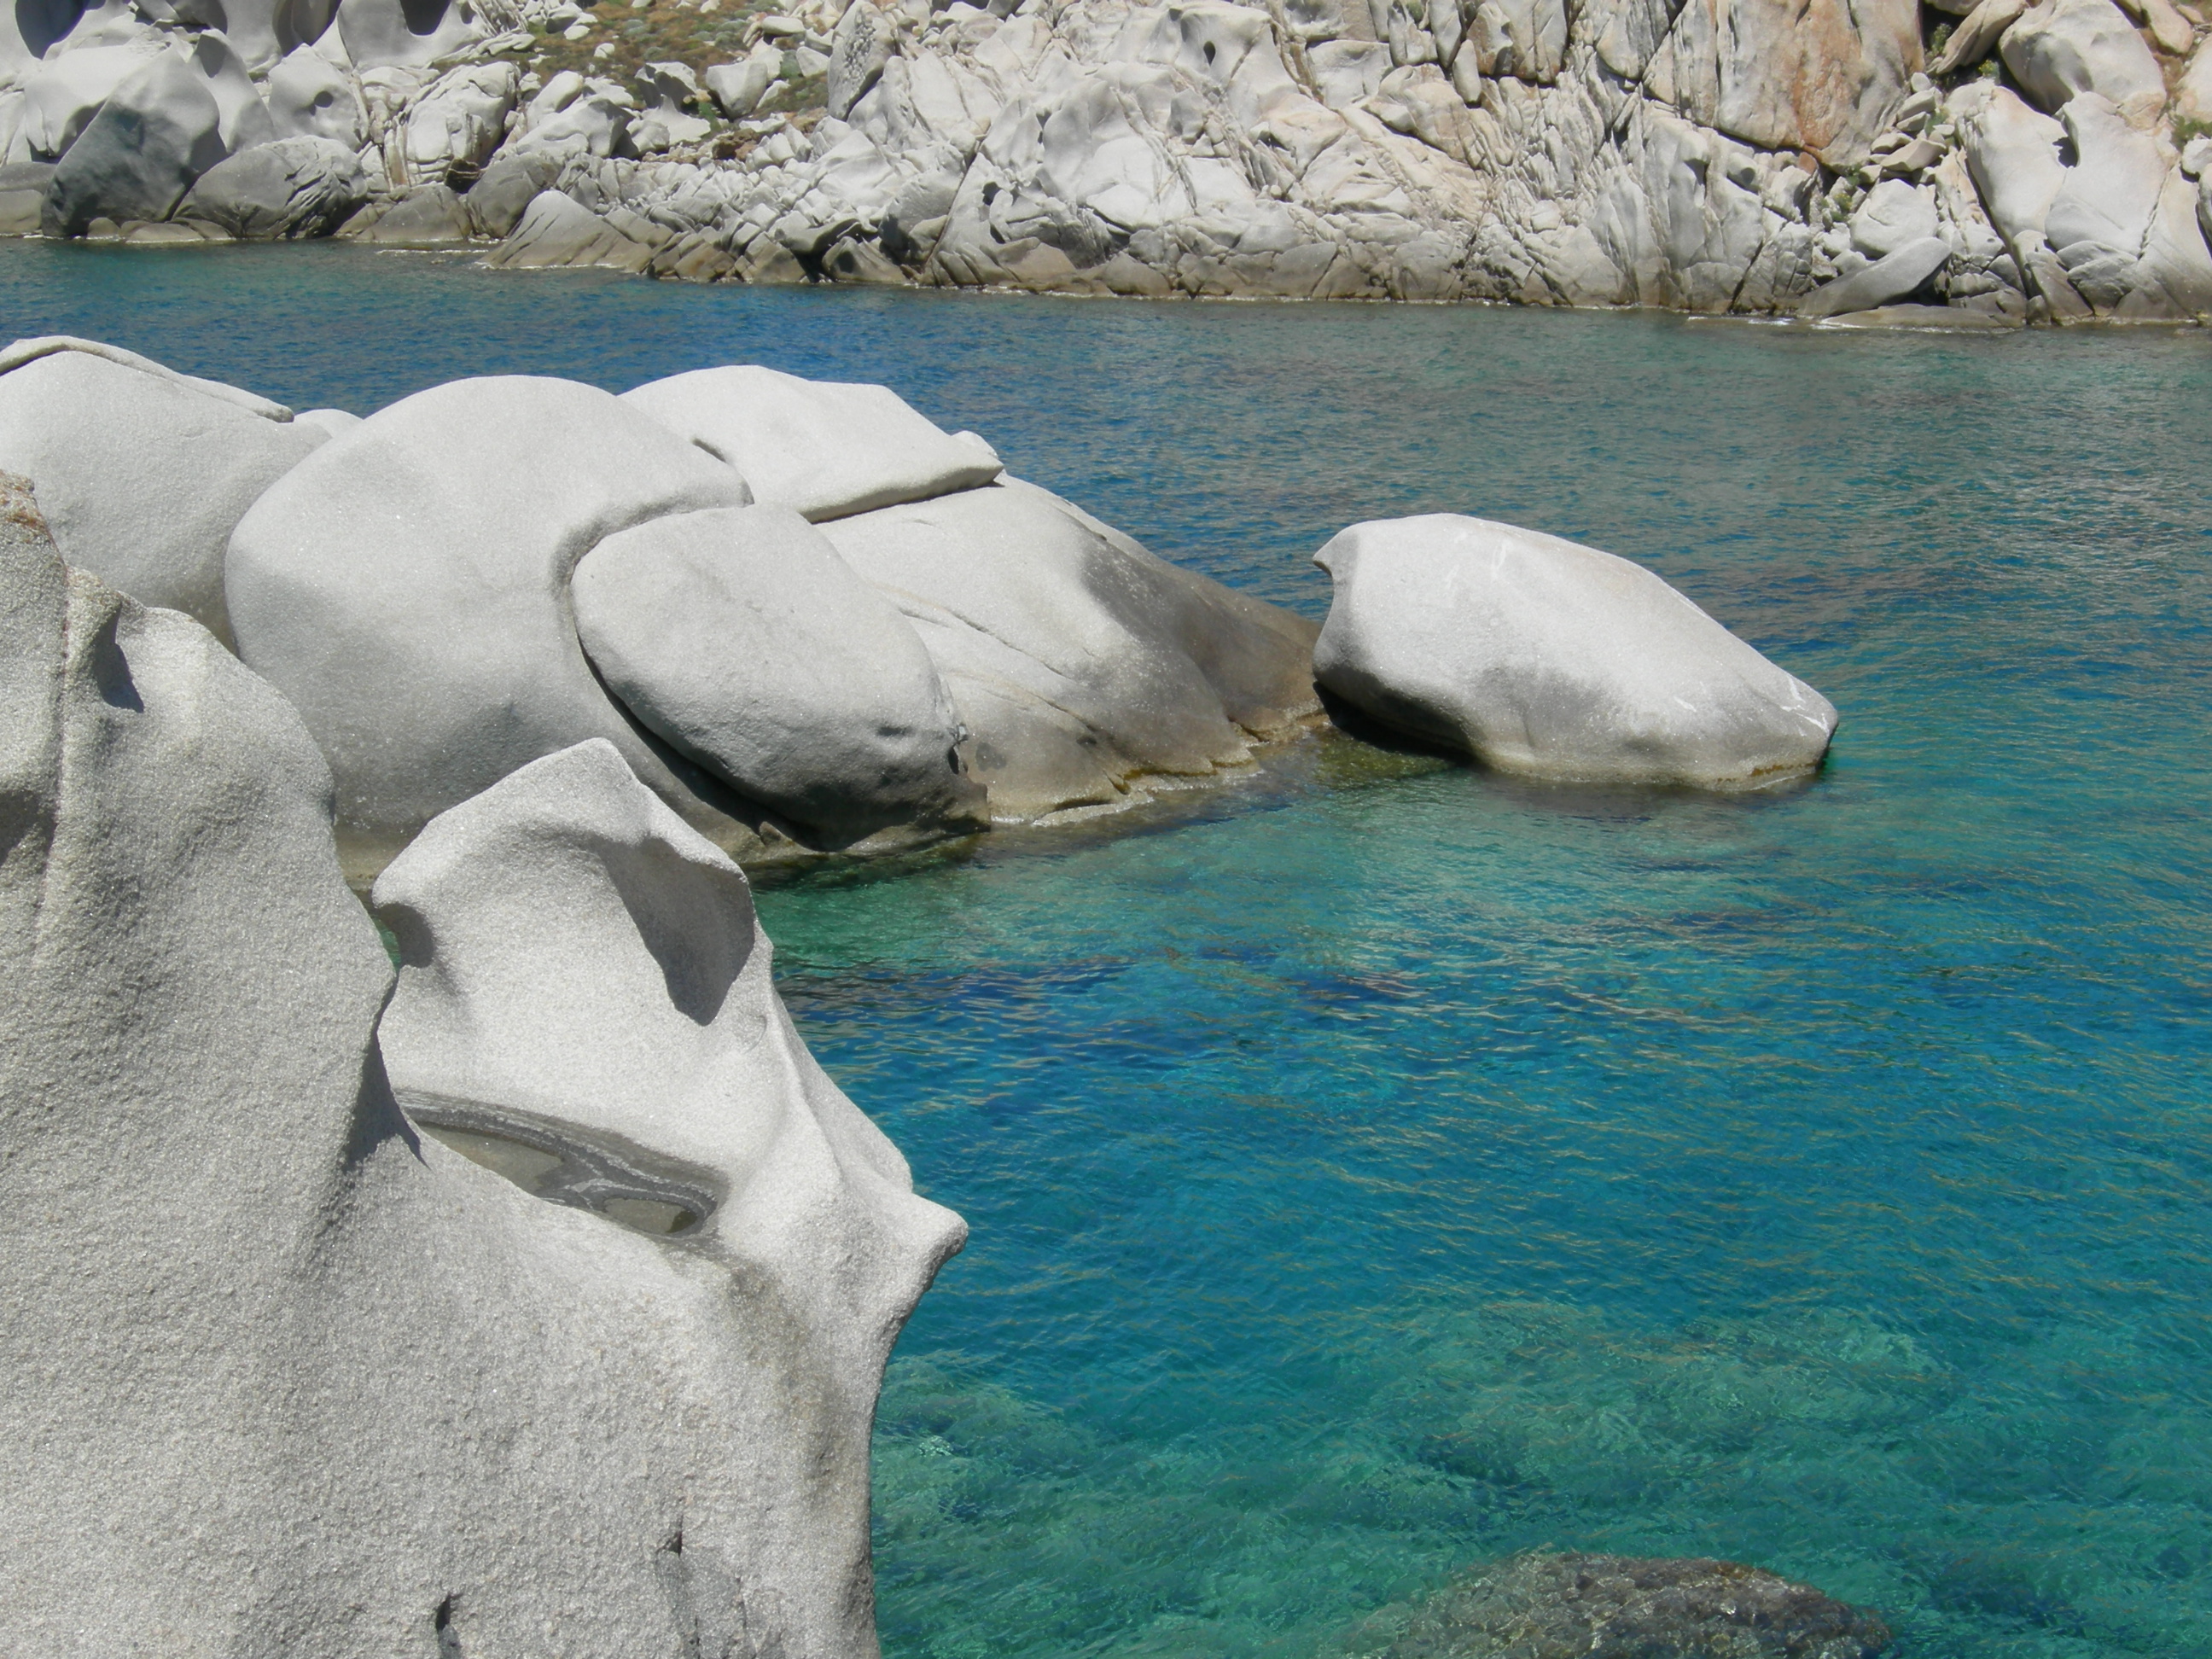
{"points": [[1374, 1168]]}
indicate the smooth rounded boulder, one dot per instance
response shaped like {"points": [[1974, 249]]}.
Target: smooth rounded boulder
{"points": [[826, 449], [281, 192], [1542, 657], [1080, 662], [142, 472], [407, 590], [742, 637]]}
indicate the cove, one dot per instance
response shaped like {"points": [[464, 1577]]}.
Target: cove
{"points": [[1377, 1167]]}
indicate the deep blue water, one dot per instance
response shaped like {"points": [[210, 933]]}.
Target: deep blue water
{"points": [[1378, 1167]]}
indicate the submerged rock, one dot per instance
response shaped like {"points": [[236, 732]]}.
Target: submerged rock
{"points": [[1547, 1606], [1542, 657], [307, 1380]]}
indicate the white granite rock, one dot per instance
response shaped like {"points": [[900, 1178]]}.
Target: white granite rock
{"points": [[737, 88], [555, 231], [158, 130], [2113, 184], [1079, 662], [1892, 214], [310, 97], [2013, 152], [857, 51], [2192, 94], [823, 448], [741, 637], [427, 215], [454, 125], [2061, 49], [571, 116], [142, 472], [280, 192], [1818, 76], [1974, 39], [407, 588], [1541, 657], [384, 33], [402, 1404], [2173, 277], [60, 98], [1887, 281]]}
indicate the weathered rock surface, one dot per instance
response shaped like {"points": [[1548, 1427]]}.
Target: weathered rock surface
{"points": [[428, 215], [310, 97], [281, 192], [493, 570], [1711, 156], [401, 1404], [555, 231], [2060, 48], [741, 637], [1542, 657], [407, 588], [1887, 279], [142, 472], [1079, 662], [156, 132], [1547, 1606], [381, 33], [822, 448]]}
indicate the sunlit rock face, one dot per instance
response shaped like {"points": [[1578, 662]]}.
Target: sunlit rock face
{"points": [[494, 569], [1542, 657], [299, 1378], [142, 472]]}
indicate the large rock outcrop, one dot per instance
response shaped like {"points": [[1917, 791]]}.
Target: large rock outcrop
{"points": [[142, 472], [1709, 156], [824, 450], [492, 570], [299, 1378], [1541, 657], [742, 638], [407, 590], [1080, 662]]}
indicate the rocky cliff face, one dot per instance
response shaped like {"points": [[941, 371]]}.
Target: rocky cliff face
{"points": [[1749, 155]]}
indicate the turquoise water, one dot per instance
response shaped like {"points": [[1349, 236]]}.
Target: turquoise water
{"points": [[1377, 1167]]}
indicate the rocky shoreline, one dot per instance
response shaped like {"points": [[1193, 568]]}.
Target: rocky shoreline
{"points": [[530, 1288], [1889, 162]]}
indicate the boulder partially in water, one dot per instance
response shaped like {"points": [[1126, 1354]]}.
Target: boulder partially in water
{"points": [[1546, 1605], [494, 569], [281, 192], [301, 1379], [1078, 661], [142, 472], [1542, 657], [742, 637]]}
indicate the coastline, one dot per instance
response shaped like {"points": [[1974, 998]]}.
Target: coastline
{"points": [[2054, 169]]}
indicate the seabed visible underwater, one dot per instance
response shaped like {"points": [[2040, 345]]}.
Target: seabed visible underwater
{"points": [[1377, 1167]]}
